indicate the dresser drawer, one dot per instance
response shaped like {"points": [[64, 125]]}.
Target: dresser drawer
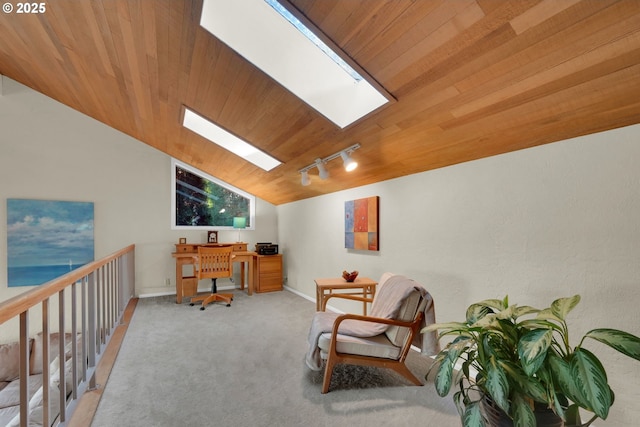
{"points": [[268, 273]]}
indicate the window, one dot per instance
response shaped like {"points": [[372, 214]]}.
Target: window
{"points": [[201, 201]]}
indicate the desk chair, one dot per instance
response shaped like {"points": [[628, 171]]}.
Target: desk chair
{"points": [[213, 262]]}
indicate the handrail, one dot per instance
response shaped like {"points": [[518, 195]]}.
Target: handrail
{"points": [[99, 292], [16, 305]]}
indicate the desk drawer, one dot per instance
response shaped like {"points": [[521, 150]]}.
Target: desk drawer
{"points": [[239, 247]]}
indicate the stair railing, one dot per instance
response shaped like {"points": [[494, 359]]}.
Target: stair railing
{"points": [[98, 293]]}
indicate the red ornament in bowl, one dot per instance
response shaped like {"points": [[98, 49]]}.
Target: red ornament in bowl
{"points": [[349, 277]]}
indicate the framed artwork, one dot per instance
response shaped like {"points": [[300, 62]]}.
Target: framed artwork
{"points": [[212, 237], [47, 239], [361, 224], [182, 241]]}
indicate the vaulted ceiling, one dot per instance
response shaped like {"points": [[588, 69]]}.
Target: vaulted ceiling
{"points": [[470, 78]]}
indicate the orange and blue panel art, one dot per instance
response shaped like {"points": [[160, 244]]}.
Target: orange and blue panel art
{"points": [[361, 224]]}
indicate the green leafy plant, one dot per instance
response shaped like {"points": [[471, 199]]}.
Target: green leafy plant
{"points": [[517, 355]]}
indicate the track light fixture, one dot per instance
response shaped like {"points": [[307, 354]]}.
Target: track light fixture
{"points": [[349, 164], [305, 178], [323, 173]]}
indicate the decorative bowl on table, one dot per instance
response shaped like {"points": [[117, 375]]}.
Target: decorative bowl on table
{"points": [[349, 277]]}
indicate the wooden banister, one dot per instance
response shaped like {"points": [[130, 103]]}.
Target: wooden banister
{"points": [[99, 292], [20, 303]]}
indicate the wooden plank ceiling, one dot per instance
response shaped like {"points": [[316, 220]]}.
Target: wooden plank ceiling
{"points": [[471, 78]]}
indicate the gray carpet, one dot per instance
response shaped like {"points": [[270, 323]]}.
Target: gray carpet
{"points": [[243, 366]]}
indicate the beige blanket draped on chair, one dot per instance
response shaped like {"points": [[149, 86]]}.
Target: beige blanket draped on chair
{"points": [[387, 302]]}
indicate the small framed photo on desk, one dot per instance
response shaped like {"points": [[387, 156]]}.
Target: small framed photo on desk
{"points": [[182, 241], [212, 237]]}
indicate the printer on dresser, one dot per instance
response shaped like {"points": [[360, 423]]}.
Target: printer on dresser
{"points": [[267, 248], [268, 268]]}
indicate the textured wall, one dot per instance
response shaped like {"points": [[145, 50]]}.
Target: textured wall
{"points": [[49, 151], [537, 224]]}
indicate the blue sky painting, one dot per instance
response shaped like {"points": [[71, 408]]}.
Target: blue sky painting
{"points": [[46, 239]]}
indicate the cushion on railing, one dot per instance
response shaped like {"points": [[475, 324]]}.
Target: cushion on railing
{"points": [[35, 361], [10, 361], [10, 395], [7, 414], [37, 400]]}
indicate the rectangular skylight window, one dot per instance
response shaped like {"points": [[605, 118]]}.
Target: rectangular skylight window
{"points": [[274, 40], [228, 141], [314, 39]]}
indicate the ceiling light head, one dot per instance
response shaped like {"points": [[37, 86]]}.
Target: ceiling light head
{"points": [[349, 163], [322, 170], [319, 163], [305, 178]]}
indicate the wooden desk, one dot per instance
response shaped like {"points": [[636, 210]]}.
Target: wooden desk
{"points": [[248, 257], [362, 286], [187, 286]]}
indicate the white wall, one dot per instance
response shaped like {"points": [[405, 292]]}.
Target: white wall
{"points": [[49, 151], [536, 224]]}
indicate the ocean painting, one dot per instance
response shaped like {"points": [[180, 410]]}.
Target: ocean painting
{"points": [[47, 239]]}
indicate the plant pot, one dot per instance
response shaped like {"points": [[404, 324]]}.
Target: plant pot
{"points": [[496, 417]]}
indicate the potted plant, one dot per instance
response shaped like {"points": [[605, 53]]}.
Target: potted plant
{"points": [[513, 357]]}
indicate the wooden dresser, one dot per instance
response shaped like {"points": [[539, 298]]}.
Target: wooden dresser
{"points": [[268, 273]]}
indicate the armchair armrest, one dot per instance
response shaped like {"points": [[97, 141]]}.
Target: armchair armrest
{"points": [[390, 322]]}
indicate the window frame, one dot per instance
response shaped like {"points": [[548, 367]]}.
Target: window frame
{"points": [[252, 199]]}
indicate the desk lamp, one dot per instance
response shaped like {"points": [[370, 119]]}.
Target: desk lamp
{"points": [[239, 222]]}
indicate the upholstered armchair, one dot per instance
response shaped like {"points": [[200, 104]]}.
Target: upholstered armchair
{"points": [[400, 308]]}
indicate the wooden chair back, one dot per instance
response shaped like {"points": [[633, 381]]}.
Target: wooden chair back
{"points": [[214, 262]]}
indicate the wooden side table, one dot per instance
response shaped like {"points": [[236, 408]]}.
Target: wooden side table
{"points": [[364, 287]]}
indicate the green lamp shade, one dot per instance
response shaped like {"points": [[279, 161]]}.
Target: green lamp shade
{"points": [[239, 222]]}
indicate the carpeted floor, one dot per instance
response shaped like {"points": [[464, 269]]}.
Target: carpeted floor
{"points": [[243, 366]]}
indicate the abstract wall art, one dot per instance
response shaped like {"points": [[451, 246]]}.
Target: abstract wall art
{"points": [[47, 239], [361, 224]]}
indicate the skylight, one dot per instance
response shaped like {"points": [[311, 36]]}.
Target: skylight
{"points": [[314, 39], [274, 40], [228, 141]]}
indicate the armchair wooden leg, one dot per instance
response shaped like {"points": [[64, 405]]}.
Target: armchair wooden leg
{"points": [[405, 372], [328, 372]]}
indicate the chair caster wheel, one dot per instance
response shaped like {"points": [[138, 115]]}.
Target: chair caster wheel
{"points": [[201, 308], [228, 305], [192, 304]]}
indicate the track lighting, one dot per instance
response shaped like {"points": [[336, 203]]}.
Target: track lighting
{"points": [[349, 164], [323, 173], [305, 178]]}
